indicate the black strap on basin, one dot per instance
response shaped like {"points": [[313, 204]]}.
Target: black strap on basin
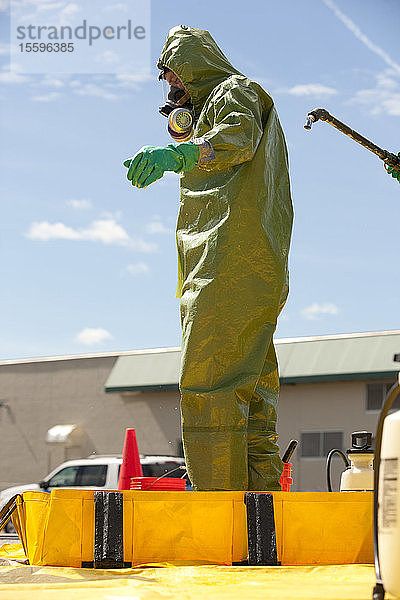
{"points": [[261, 529], [108, 531]]}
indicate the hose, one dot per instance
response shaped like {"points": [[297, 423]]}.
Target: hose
{"points": [[328, 465], [168, 473]]}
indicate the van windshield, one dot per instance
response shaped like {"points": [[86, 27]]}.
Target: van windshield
{"points": [[83, 476], [164, 468]]}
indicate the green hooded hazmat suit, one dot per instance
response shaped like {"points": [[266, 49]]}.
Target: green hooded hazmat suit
{"points": [[233, 236]]}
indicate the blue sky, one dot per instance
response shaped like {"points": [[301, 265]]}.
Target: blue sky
{"points": [[88, 263]]}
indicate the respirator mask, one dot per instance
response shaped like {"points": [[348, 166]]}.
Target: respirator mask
{"points": [[179, 111]]}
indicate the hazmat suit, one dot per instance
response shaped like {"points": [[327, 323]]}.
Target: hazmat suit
{"points": [[233, 236]]}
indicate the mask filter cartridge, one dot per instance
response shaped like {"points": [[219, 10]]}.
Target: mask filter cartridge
{"points": [[180, 124], [180, 114]]}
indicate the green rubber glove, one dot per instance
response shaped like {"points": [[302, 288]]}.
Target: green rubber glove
{"points": [[393, 172], [150, 162]]}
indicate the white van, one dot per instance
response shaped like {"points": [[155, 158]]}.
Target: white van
{"points": [[96, 473]]}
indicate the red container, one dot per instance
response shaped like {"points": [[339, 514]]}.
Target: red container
{"points": [[286, 479], [155, 484]]}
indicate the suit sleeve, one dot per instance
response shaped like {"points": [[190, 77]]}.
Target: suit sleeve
{"points": [[235, 123]]}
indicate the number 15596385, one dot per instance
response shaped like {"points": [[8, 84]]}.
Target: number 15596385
{"points": [[49, 47]]}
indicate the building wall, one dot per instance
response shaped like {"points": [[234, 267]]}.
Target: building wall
{"points": [[41, 394], [38, 395], [333, 406]]}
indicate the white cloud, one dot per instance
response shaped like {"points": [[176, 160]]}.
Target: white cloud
{"points": [[131, 80], [316, 311], [79, 204], [106, 231], [46, 6], [136, 269], [377, 102], [386, 80], [46, 97], [108, 58], [12, 77], [116, 214], [45, 231], [142, 246], [114, 7], [156, 227], [311, 89], [384, 97], [55, 13], [68, 13], [91, 336], [91, 89], [110, 87], [52, 82], [361, 36], [392, 105]]}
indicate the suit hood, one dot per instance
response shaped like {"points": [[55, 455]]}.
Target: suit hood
{"points": [[193, 55]]}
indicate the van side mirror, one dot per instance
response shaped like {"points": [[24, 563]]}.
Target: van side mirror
{"points": [[44, 485]]}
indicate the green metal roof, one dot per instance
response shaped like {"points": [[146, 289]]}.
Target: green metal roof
{"points": [[355, 356], [301, 360], [148, 370]]}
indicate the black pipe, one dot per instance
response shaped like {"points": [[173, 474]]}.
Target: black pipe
{"points": [[317, 114], [328, 465]]}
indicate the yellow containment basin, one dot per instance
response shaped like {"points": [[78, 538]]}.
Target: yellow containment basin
{"points": [[65, 528]]}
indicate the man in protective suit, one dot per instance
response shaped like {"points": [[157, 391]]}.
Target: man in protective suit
{"points": [[233, 236]]}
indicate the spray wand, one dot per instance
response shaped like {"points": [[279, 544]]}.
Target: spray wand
{"points": [[289, 451], [286, 478], [390, 159]]}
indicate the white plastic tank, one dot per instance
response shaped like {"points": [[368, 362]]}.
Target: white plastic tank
{"points": [[359, 477], [389, 505]]}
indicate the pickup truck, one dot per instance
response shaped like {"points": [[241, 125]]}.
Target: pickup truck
{"points": [[96, 472]]}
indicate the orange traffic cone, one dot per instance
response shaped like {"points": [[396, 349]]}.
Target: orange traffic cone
{"points": [[131, 466]]}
